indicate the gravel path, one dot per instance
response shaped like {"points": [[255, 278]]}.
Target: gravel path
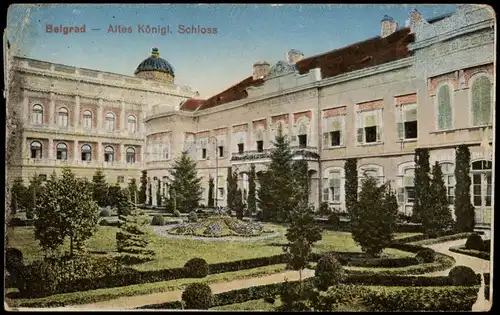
{"points": [[163, 231]]}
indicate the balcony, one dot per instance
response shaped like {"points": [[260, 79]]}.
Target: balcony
{"points": [[79, 164], [308, 153], [94, 132]]}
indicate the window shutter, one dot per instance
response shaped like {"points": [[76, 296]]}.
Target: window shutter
{"points": [[444, 107], [325, 139], [360, 135], [401, 195], [379, 123], [342, 129], [336, 182], [409, 181], [411, 114], [401, 130]]}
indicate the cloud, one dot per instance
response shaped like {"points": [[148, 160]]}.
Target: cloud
{"points": [[76, 12]]}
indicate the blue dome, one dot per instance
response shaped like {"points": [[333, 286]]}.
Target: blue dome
{"points": [[155, 63]]}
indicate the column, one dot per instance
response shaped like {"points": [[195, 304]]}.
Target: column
{"points": [[154, 192], [122, 116], [52, 109], [51, 149], [23, 149], [123, 156], [76, 114], [99, 115], [99, 152], [76, 150], [147, 191]]}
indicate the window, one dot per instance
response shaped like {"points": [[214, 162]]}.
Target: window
{"points": [[130, 155], [204, 153], [481, 101], [62, 151], [63, 117], [369, 126], [481, 186], [110, 122], [221, 151], [109, 154], [37, 115], [333, 131], [132, 124], [449, 181], [406, 121], [331, 187], [86, 153], [87, 119], [302, 141], [36, 150], [481, 165], [120, 179], [335, 138], [221, 192], [406, 193], [241, 148], [444, 108], [165, 151], [260, 146]]}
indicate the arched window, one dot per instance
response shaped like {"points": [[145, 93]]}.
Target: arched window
{"points": [[408, 193], [63, 117], [132, 124], [130, 155], [481, 101], [86, 153], [109, 154], [449, 180], [87, 119], [444, 112], [36, 150], [37, 115], [332, 184], [481, 174], [110, 122], [62, 151]]}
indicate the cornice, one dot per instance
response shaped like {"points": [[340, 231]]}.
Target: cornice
{"points": [[63, 132]]}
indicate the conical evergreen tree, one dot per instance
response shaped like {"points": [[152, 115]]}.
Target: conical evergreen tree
{"points": [[301, 180], [239, 206], [211, 192], [125, 206], [351, 183], [100, 188], [232, 189], [132, 238], [421, 184], [144, 184], [464, 210], [133, 190], [186, 183], [438, 218], [276, 196], [252, 202]]}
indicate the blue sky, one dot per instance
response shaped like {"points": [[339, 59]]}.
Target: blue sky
{"points": [[207, 63]]}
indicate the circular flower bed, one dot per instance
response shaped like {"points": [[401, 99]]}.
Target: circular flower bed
{"points": [[220, 226]]}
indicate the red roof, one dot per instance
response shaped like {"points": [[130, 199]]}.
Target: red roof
{"points": [[368, 53], [191, 104]]}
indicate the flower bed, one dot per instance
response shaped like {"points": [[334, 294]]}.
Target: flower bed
{"points": [[219, 226]]}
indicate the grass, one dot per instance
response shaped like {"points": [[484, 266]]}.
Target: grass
{"points": [[172, 253], [94, 296]]}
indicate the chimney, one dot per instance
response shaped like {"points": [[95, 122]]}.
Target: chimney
{"points": [[415, 16], [260, 70], [294, 56], [389, 26]]}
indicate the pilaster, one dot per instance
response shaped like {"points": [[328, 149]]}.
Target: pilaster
{"points": [[76, 116]]}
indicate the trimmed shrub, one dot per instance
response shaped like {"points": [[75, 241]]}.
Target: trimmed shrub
{"points": [[105, 213], [196, 268], [158, 220], [193, 217], [474, 241], [487, 245], [328, 272], [177, 213], [470, 252], [197, 296], [463, 275], [324, 209], [14, 264], [105, 222], [426, 255], [397, 280]]}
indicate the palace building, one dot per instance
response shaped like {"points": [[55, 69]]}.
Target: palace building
{"points": [[426, 85]]}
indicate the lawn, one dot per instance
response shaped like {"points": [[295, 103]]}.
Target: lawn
{"points": [[171, 253]]}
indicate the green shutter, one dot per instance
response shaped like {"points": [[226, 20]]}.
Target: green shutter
{"points": [[481, 101], [360, 135], [401, 130], [444, 108]]}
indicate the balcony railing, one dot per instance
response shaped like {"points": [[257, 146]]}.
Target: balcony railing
{"points": [[79, 163], [305, 152], [89, 132]]}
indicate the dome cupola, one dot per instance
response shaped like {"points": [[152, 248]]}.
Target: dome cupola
{"points": [[155, 68]]}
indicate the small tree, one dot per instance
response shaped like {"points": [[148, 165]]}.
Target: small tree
{"points": [[158, 194], [373, 219], [132, 238], [19, 194], [113, 195], [186, 183], [144, 184], [464, 210], [422, 185], [211, 203], [252, 202], [125, 205], [65, 210], [239, 206], [301, 179], [351, 183], [133, 190], [100, 188], [35, 190], [438, 217], [150, 193], [232, 189], [302, 233]]}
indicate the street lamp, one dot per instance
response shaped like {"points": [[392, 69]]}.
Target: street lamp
{"points": [[216, 169]]}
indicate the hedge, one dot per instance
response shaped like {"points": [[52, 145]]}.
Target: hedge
{"points": [[470, 252], [404, 281], [487, 285], [20, 222], [446, 238]]}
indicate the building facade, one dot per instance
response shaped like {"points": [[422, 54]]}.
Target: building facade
{"points": [[427, 85]]}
